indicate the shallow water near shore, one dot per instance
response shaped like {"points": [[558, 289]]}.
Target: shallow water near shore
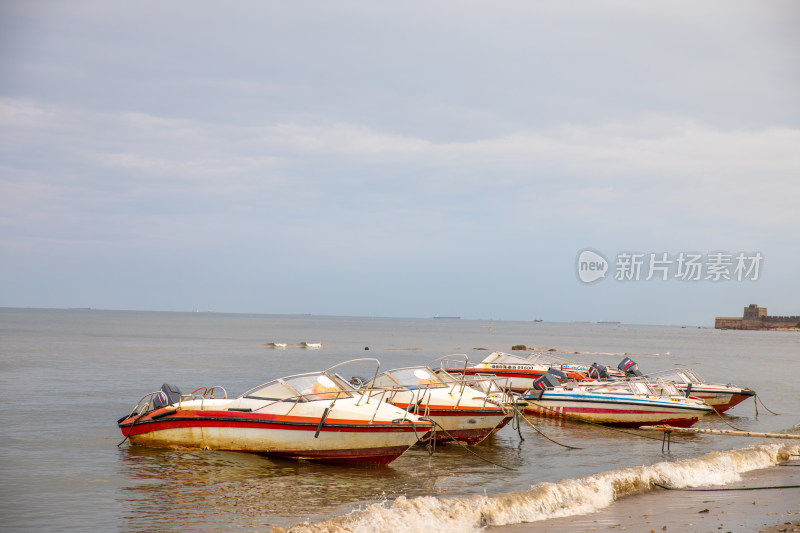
{"points": [[752, 504], [69, 374]]}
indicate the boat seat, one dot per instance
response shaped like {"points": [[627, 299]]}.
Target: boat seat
{"points": [[324, 392]]}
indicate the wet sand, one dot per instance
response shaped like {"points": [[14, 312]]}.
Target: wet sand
{"points": [[736, 511]]}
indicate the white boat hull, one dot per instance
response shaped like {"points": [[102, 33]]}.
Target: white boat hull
{"points": [[467, 426], [341, 433], [616, 410], [719, 397]]}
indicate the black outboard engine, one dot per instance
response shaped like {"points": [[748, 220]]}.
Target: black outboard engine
{"points": [[598, 371], [170, 394], [552, 378], [629, 367]]}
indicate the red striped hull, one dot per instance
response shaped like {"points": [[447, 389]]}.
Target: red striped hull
{"points": [[374, 456], [719, 400], [470, 437], [225, 419], [468, 426], [618, 417], [293, 437]]}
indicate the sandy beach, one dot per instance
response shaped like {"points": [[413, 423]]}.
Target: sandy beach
{"points": [[737, 511]]}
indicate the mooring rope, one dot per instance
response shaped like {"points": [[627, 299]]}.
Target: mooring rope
{"points": [[758, 400], [728, 423], [515, 424], [539, 431], [439, 426], [670, 429], [414, 427], [565, 415], [131, 428], [728, 488]]}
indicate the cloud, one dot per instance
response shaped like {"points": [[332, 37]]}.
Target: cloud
{"points": [[149, 166], [457, 71]]}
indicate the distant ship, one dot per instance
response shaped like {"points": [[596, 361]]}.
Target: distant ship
{"points": [[448, 317], [538, 320], [609, 322]]}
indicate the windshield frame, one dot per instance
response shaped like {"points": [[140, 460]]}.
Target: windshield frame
{"points": [[311, 386]]}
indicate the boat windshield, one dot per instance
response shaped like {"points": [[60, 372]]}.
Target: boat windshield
{"points": [[501, 358], [678, 375], [548, 359], [409, 377], [640, 387], [669, 388], [637, 387], [448, 378], [691, 376], [486, 384], [307, 387]]}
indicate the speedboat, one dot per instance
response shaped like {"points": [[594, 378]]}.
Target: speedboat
{"points": [[519, 372], [460, 410], [631, 403], [719, 396], [314, 416]]}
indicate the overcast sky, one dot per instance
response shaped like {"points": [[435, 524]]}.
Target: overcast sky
{"points": [[397, 158]]}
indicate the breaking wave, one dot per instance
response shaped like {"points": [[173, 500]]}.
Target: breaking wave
{"points": [[549, 500]]}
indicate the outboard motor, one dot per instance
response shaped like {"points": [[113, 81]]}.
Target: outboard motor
{"points": [[552, 378], [561, 376], [629, 367], [598, 371], [171, 394]]}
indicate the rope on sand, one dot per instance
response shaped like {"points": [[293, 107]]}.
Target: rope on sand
{"points": [[670, 429], [729, 488]]}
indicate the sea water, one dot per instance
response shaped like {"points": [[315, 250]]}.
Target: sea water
{"points": [[68, 375]]}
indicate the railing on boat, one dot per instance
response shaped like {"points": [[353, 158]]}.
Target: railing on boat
{"points": [[208, 392]]}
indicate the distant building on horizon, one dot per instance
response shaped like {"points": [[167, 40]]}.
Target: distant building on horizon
{"points": [[756, 317]]}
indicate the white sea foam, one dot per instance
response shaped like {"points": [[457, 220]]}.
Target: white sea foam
{"points": [[550, 500]]}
